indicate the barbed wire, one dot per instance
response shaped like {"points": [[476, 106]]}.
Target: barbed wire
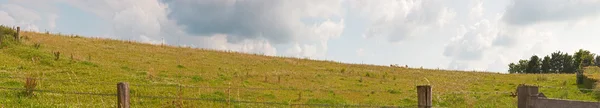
{"points": [[583, 89], [205, 87], [255, 88], [472, 92], [58, 80], [276, 89], [62, 92], [266, 103], [202, 99]]}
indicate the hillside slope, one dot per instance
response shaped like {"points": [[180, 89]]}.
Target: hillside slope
{"points": [[96, 65]]}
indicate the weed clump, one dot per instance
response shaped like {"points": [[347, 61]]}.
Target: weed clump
{"points": [[30, 84], [56, 55]]}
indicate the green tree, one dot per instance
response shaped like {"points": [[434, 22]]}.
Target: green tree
{"points": [[534, 65], [546, 65], [556, 62], [568, 64], [583, 58], [519, 67], [597, 61], [513, 68]]}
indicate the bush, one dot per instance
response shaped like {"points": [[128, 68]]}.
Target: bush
{"points": [[6, 35], [4, 30]]}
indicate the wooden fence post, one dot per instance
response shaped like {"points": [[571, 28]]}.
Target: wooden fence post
{"points": [[17, 34], [424, 96], [524, 95], [123, 95]]}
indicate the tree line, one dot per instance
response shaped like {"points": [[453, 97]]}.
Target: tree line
{"points": [[557, 62]]}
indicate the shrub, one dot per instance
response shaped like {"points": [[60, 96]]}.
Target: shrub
{"points": [[4, 30], [6, 35]]}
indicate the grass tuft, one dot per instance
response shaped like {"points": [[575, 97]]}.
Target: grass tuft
{"points": [[30, 84]]}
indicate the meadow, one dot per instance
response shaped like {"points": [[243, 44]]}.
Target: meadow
{"points": [[231, 79]]}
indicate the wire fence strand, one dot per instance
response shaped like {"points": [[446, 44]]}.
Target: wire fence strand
{"points": [[254, 88], [62, 92], [59, 80], [256, 102]]}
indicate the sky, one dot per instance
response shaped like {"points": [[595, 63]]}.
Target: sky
{"points": [[482, 35]]}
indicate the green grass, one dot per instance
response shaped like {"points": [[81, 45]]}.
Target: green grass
{"points": [[97, 65]]}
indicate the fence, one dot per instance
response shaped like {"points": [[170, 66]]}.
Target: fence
{"points": [[123, 94], [426, 97], [530, 97]]}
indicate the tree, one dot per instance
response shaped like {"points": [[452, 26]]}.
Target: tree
{"points": [[556, 62], [597, 61], [583, 58], [513, 68], [546, 65], [519, 67], [568, 64], [534, 65]]}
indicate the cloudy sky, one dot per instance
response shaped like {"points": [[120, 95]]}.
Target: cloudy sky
{"points": [[446, 34]]}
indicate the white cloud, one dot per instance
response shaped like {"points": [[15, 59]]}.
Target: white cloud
{"points": [[225, 24], [525, 12], [360, 52], [52, 21], [476, 10], [16, 15], [492, 44], [401, 19], [472, 41], [279, 22], [135, 21], [6, 19], [302, 51], [220, 42], [24, 15]]}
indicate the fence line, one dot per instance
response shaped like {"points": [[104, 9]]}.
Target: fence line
{"points": [[201, 99], [58, 80], [471, 92], [254, 88], [554, 87], [249, 102], [191, 86], [62, 92], [275, 89], [267, 103]]}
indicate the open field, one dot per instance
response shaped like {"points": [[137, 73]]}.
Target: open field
{"points": [[96, 65]]}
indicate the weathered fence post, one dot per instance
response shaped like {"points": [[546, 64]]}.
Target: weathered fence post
{"points": [[123, 95], [524, 93], [17, 34], [424, 96]]}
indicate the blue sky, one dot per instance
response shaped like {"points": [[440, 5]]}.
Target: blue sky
{"points": [[482, 35]]}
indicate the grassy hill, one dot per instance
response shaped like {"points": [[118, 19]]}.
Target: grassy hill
{"points": [[92, 65]]}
